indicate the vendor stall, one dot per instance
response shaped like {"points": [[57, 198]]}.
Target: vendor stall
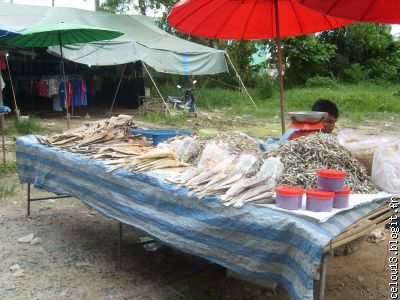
{"points": [[258, 242]]}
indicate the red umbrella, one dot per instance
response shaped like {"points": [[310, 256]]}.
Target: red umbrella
{"points": [[249, 20], [378, 11]]}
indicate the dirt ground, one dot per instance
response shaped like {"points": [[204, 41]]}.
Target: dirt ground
{"points": [[76, 255]]}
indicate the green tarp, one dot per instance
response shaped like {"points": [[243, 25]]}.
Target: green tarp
{"points": [[142, 40]]}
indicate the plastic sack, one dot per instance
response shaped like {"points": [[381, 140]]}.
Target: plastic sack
{"points": [[272, 169], [246, 163], [386, 167], [363, 146], [186, 149], [212, 155], [174, 145]]}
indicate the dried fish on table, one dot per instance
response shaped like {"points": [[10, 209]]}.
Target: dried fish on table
{"points": [[303, 156]]}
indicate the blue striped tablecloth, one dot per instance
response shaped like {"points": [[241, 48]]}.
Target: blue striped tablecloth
{"points": [[254, 241]]}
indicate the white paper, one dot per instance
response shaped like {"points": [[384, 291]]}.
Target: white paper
{"points": [[355, 200]]}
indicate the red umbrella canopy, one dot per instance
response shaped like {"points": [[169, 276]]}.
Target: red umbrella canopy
{"points": [[378, 11], [248, 19]]}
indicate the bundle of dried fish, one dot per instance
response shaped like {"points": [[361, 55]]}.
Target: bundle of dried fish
{"points": [[230, 182], [152, 159], [302, 158], [236, 142], [114, 128]]}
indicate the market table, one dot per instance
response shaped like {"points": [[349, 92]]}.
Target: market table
{"points": [[257, 242]]}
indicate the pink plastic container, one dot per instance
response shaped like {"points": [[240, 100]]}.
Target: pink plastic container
{"points": [[341, 199], [331, 180], [289, 197], [319, 200]]}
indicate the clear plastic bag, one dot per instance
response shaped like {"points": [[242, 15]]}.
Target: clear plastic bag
{"points": [[186, 149], [174, 145], [271, 169], [363, 146], [246, 163], [386, 167], [212, 155]]}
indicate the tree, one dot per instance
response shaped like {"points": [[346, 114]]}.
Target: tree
{"points": [[363, 50], [303, 57]]}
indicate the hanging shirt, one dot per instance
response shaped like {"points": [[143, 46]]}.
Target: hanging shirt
{"points": [[69, 92], [43, 88], [61, 92], [76, 92], [54, 85], [3, 64], [2, 84], [83, 92]]}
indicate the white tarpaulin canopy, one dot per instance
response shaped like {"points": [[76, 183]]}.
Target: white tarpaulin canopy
{"points": [[142, 40]]}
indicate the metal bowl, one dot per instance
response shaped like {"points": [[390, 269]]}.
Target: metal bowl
{"points": [[307, 116]]}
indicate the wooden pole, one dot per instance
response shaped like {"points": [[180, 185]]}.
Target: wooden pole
{"points": [[64, 79], [116, 92], [2, 122], [279, 46], [96, 5], [240, 79], [155, 85], [12, 88]]}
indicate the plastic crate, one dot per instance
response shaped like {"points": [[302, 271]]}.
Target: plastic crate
{"points": [[157, 136]]}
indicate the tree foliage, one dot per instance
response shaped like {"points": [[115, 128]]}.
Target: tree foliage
{"points": [[354, 53]]}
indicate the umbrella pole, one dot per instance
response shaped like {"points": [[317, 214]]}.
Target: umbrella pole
{"points": [[279, 46], [12, 88], [65, 82]]}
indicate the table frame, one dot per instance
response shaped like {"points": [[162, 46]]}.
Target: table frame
{"points": [[363, 226]]}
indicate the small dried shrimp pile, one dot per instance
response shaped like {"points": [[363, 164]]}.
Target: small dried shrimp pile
{"points": [[302, 158]]}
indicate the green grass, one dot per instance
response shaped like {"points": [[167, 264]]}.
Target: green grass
{"points": [[9, 167], [357, 102], [270, 131], [162, 118], [7, 190], [24, 127]]}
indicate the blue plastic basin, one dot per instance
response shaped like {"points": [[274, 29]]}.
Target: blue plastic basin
{"points": [[157, 136]]}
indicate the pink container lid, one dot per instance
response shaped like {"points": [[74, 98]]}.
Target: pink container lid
{"points": [[345, 191], [320, 194], [287, 190], [331, 173]]}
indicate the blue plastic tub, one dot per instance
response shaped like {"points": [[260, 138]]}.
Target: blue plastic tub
{"points": [[157, 136]]}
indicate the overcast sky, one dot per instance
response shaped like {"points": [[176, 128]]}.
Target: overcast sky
{"points": [[89, 5]]}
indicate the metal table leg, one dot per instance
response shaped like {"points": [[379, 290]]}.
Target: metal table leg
{"points": [[29, 199], [28, 207], [119, 246], [324, 262], [3, 137]]}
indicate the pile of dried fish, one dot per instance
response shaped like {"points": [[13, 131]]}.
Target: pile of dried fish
{"points": [[228, 180], [236, 142], [302, 158], [98, 132], [110, 141], [153, 159]]}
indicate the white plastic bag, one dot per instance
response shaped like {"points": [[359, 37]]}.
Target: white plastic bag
{"points": [[212, 155], [386, 167], [363, 146], [272, 169], [246, 163], [186, 149]]}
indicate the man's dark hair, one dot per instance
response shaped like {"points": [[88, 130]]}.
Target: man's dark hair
{"points": [[325, 105]]}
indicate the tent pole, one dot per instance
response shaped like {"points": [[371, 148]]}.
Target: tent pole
{"points": [[2, 123], [12, 88], [240, 79], [116, 92], [65, 81], [155, 85], [279, 46]]}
